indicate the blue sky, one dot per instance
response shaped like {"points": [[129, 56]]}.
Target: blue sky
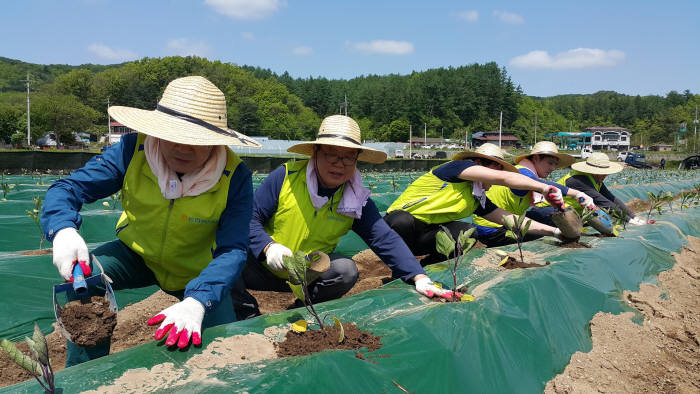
{"points": [[548, 47]]}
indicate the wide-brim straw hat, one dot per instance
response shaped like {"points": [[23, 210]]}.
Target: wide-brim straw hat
{"points": [[192, 111], [550, 149], [343, 131], [487, 151], [597, 164]]}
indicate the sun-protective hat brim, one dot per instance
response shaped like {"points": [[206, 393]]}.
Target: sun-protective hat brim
{"points": [[368, 155], [469, 154], [341, 131], [564, 159], [612, 168], [177, 129]]}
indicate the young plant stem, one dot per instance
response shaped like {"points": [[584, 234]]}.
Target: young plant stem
{"points": [[310, 306]]}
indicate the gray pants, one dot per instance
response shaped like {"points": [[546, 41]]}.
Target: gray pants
{"points": [[332, 284]]}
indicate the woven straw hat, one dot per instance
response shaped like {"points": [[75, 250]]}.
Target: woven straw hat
{"points": [[550, 149], [597, 164], [343, 131], [192, 111], [487, 151]]}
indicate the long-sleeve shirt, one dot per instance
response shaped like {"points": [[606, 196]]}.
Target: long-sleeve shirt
{"points": [[370, 227], [103, 176], [603, 198]]}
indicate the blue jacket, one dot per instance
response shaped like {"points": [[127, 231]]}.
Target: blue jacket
{"points": [[103, 176]]}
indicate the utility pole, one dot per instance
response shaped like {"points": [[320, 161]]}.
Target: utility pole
{"points": [[500, 128], [695, 137], [344, 105], [535, 128], [410, 144], [109, 126], [29, 129], [425, 134]]}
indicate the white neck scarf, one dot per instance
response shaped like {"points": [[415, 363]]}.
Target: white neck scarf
{"points": [[536, 197], [479, 192], [193, 183], [354, 198]]}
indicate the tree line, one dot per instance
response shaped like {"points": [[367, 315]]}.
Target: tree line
{"points": [[450, 102]]}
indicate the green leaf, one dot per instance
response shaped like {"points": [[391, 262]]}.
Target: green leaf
{"points": [[444, 243], [527, 226], [507, 223], [342, 330], [298, 291], [20, 358], [296, 267], [464, 237], [41, 347], [511, 234]]}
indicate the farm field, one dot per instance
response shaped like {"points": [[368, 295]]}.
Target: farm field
{"points": [[518, 334]]}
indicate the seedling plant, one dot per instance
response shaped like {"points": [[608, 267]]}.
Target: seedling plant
{"points": [[656, 202], [446, 245], [38, 365], [35, 214], [688, 198], [112, 203], [298, 282], [515, 229]]}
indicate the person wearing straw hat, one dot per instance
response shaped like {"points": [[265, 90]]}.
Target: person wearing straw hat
{"points": [[187, 202], [538, 164], [589, 176], [308, 205], [453, 191]]}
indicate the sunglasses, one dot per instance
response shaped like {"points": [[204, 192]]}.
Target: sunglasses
{"points": [[334, 158]]}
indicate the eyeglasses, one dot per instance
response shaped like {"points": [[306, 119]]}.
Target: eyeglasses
{"points": [[333, 158]]}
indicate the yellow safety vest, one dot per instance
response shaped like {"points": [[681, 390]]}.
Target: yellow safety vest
{"points": [[571, 201], [433, 200], [297, 224], [175, 238], [504, 198]]}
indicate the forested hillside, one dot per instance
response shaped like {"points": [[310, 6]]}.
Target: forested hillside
{"points": [[449, 101]]}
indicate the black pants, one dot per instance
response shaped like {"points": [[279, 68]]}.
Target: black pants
{"points": [[332, 284], [498, 238], [542, 215], [420, 236]]}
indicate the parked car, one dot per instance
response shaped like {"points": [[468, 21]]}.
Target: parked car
{"points": [[398, 154], [637, 160], [622, 156], [417, 155], [440, 155], [690, 163]]}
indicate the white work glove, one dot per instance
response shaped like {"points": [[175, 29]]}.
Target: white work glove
{"points": [[553, 196], [426, 287], [637, 221], [69, 248], [585, 200], [186, 316], [274, 256]]}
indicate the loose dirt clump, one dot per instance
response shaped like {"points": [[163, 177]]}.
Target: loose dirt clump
{"points": [[89, 323], [574, 245], [313, 341], [662, 355], [513, 263]]}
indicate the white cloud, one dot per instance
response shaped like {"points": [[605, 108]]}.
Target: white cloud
{"points": [[185, 47], [248, 35], [469, 16], [302, 50], [246, 9], [112, 54], [386, 47], [573, 58], [509, 17]]}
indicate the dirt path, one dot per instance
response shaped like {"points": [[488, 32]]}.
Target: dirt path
{"points": [[660, 356]]}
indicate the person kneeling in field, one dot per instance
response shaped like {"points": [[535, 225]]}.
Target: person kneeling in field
{"points": [[453, 191], [589, 176], [539, 163], [308, 205], [187, 203]]}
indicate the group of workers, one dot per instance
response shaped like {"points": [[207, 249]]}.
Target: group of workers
{"points": [[192, 224]]}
